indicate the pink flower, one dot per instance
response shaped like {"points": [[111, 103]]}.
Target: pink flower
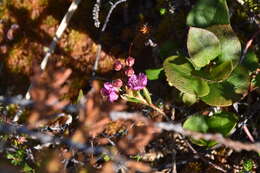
{"points": [[117, 83], [130, 61], [118, 65], [129, 71], [110, 92], [137, 82]]}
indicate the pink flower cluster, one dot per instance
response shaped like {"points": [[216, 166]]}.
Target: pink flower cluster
{"points": [[110, 92], [135, 82]]}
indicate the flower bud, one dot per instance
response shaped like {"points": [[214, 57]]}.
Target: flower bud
{"points": [[117, 83], [130, 61], [117, 66], [129, 71]]}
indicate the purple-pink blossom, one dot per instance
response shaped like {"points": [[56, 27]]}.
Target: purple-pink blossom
{"points": [[130, 61], [137, 82], [110, 92]]}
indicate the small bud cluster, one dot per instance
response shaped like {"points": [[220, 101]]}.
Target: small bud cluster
{"points": [[134, 82]]}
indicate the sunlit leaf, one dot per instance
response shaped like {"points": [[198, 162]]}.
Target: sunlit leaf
{"points": [[153, 74], [203, 46], [188, 99], [229, 91], [178, 72], [230, 44], [223, 123]]}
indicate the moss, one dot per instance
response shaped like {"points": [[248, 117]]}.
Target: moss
{"points": [[50, 21]]}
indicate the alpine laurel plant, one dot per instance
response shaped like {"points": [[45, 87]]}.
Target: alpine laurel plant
{"points": [[212, 72]]}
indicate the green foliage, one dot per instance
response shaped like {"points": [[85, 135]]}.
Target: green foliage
{"points": [[203, 46], [188, 99], [257, 80], [225, 93], [141, 96], [18, 158], [208, 12], [250, 61], [212, 72], [247, 166], [178, 72], [153, 74], [222, 123]]}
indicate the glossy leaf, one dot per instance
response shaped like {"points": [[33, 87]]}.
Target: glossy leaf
{"points": [[208, 12], [197, 123], [215, 73], [223, 123], [188, 99], [203, 46], [178, 72], [229, 91], [250, 61], [153, 74], [227, 61], [230, 44]]}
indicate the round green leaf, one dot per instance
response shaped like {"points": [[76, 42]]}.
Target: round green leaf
{"points": [[230, 44], [197, 123], [153, 74], [229, 91], [203, 46], [227, 61], [178, 72], [208, 12], [250, 61], [222, 122], [215, 73], [188, 99]]}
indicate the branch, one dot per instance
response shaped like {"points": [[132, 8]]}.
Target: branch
{"points": [[236, 145], [44, 138], [95, 68], [63, 25]]}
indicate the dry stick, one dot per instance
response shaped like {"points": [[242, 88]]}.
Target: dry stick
{"points": [[236, 145], [202, 158], [45, 138], [246, 130], [63, 25], [102, 30]]}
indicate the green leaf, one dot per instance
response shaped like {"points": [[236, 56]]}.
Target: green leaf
{"points": [[250, 61], [147, 95], [178, 72], [223, 123], [248, 165], [227, 61], [188, 99], [131, 98], [208, 12], [229, 91], [197, 123], [230, 44], [239, 79], [257, 80], [81, 95], [203, 46], [215, 73], [153, 74]]}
